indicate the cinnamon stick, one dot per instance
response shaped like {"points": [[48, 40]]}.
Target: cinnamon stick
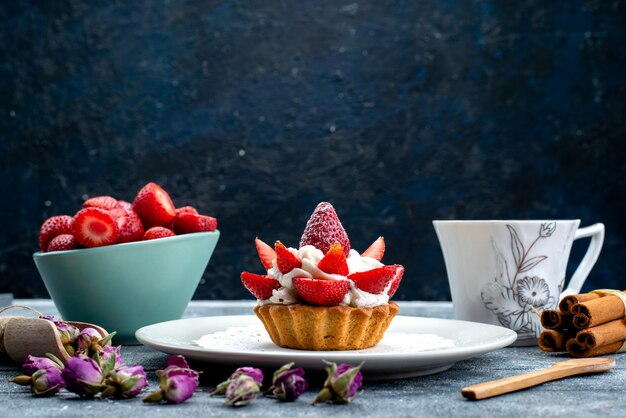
{"points": [[568, 301], [575, 349], [597, 311], [604, 334], [552, 340], [554, 319]]}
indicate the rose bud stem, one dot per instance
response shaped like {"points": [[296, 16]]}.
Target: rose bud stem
{"points": [[156, 396], [21, 380], [108, 392]]}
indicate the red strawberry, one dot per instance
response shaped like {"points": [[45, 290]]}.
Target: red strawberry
{"points": [[334, 262], [186, 223], [53, 227], [375, 281], [154, 206], [187, 209], [321, 292], [62, 242], [158, 232], [130, 227], [285, 260], [94, 227], [395, 282], [324, 229], [101, 202], [125, 205], [376, 250], [260, 286], [266, 253]]}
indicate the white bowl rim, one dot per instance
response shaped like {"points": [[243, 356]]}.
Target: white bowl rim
{"points": [[500, 221]]}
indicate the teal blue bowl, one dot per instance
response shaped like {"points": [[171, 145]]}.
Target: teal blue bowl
{"points": [[124, 287]]}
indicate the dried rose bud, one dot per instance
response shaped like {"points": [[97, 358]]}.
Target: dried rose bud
{"points": [[87, 339], [83, 376], [252, 372], [177, 384], [47, 382], [125, 382], [132, 380], [90, 341], [108, 351], [67, 333], [288, 384], [44, 375], [177, 361], [342, 384], [67, 330], [32, 364], [241, 390], [180, 385]]}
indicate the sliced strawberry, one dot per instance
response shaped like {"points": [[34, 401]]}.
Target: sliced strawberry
{"points": [[285, 260], [107, 203], [154, 206], [266, 253], [125, 205], [324, 229], [119, 212], [260, 286], [376, 250], [374, 281], [53, 227], [62, 242], [129, 227], [187, 209], [321, 292], [186, 223], [158, 232], [395, 282], [102, 202], [334, 262], [94, 227]]}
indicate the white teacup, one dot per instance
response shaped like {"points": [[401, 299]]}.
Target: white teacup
{"points": [[507, 272]]}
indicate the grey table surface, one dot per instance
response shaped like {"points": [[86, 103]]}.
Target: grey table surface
{"points": [[434, 395]]}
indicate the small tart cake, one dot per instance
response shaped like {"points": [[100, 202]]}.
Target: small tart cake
{"points": [[322, 328], [324, 295]]}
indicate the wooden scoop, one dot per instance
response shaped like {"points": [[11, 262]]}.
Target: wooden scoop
{"points": [[34, 336], [556, 371]]}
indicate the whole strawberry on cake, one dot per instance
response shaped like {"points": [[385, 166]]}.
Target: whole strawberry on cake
{"points": [[324, 295]]}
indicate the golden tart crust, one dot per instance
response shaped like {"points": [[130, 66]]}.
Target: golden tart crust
{"points": [[319, 328]]}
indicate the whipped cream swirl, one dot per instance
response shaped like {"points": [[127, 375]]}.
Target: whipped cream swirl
{"points": [[310, 257]]}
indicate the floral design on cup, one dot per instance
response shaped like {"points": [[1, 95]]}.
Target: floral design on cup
{"points": [[516, 298]]}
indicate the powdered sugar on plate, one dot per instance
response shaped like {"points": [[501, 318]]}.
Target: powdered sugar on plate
{"points": [[235, 338], [254, 337]]}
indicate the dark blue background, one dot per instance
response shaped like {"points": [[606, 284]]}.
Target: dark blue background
{"points": [[254, 111]]}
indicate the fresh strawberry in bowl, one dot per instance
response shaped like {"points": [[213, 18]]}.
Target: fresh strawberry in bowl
{"points": [[114, 264]]}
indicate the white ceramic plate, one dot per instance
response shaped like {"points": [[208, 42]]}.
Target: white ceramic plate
{"points": [[389, 359]]}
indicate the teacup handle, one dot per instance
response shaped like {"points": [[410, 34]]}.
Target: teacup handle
{"points": [[596, 232]]}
